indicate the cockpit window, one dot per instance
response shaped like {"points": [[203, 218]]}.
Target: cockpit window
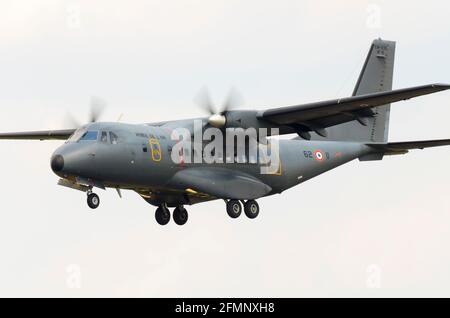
{"points": [[104, 137], [83, 134], [90, 135], [77, 135], [113, 138]]}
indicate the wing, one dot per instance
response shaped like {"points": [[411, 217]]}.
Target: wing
{"points": [[220, 183], [392, 148], [317, 116], [39, 135]]}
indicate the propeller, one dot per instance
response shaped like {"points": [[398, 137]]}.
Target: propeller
{"points": [[96, 105], [217, 116]]}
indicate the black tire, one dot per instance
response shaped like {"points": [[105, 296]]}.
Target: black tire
{"points": [[251, 209], [234, 208], [93, 201], [180, 215], [162, 215]]}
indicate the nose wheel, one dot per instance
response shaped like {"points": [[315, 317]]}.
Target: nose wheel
{"points": [[93, 200]]}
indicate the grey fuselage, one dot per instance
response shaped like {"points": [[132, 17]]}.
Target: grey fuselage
{"points": [[140, 160]]}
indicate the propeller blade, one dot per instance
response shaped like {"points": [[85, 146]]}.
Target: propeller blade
{"points": [[97, 106], [204, 101], [233, 100], [217, 118], [70, 122]]}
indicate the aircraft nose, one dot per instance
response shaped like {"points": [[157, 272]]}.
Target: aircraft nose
{"points": [[57, 163]]}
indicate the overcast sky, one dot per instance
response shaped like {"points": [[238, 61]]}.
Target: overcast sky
{"points": [[364, 229]]}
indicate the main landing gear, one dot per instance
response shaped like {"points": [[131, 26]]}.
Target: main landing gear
{"points": [[180, 215], [162, 215], [93, 200], [251, 209], [234, 208]]}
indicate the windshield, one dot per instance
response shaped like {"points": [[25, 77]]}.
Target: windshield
{"points": [[83, 134], [77, 135], [89, 135]]}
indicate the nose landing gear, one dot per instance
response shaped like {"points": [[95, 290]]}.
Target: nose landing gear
{"points": [[93, 200]]}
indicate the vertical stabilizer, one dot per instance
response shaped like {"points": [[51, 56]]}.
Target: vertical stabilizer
{"points": [[376, 76]]}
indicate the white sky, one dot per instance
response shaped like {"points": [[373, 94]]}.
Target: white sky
{"points": [[366, 224]]}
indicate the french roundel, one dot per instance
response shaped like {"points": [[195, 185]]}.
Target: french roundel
{"points": [[318, 155]]}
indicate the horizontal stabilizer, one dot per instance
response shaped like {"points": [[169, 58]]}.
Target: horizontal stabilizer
{"points": [[393, 148]]}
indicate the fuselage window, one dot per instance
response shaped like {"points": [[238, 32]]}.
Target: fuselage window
{"points": [[104, 137], [89, 135], [114, 139]]}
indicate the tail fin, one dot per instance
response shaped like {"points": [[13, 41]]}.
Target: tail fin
{"points": [[376, 76]]}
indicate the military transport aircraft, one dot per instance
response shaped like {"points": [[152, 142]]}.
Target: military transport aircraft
{"points": [[329, 133]]}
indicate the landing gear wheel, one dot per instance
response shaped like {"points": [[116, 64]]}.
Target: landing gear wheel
{"points": [[234, 208], [251, 209], [93, 200], [162, 215], [180, 215]]}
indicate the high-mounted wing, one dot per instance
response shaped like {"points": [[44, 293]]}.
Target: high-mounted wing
{"points": [[39, 135], [362, 117], [324, 114], [220, 183]]}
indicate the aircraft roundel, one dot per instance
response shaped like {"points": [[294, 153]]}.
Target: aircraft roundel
{"points": [[318, 155]]}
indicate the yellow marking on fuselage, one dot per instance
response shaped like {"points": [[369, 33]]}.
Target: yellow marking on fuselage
{"points": [[155, 148], [279, 170]]}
